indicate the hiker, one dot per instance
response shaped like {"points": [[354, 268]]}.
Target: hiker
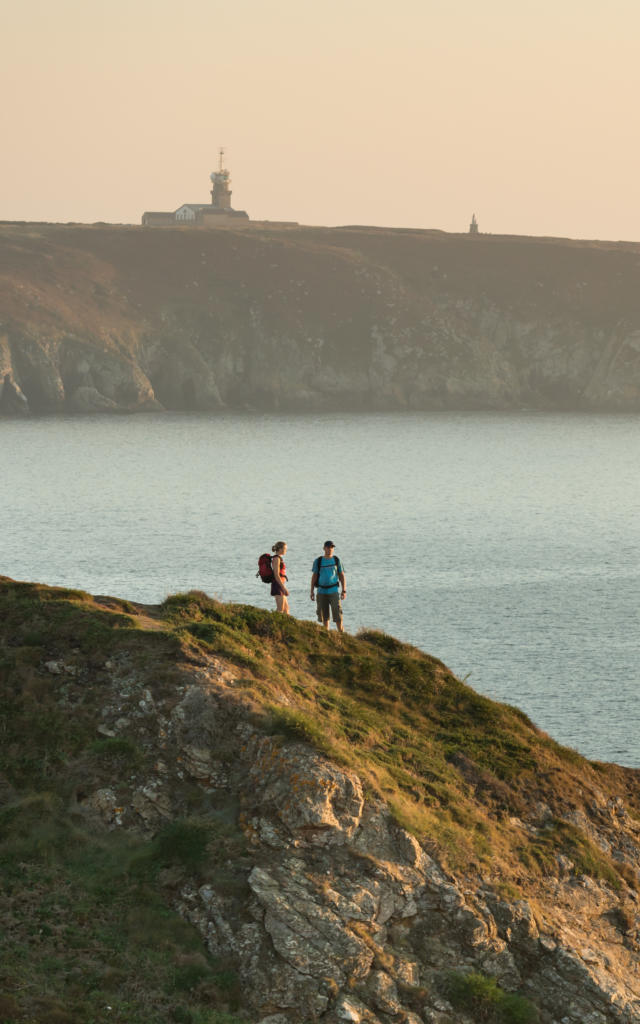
{"points": [[279, 570], [328, 578]]}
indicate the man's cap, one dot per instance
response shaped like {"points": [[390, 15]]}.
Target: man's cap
{"points": [[328, 544]]}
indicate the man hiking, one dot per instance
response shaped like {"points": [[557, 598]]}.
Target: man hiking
{"points": [[328, 579]]}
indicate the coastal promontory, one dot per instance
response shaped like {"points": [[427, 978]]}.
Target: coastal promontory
{"points": [[213, 814], [104, 318]]}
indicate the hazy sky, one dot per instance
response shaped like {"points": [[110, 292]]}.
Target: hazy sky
{"points": [[411, 113]]}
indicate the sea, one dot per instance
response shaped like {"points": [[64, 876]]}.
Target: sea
{"points": [[507, 545]]}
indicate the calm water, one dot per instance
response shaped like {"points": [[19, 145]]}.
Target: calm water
{"points": [[506, 545]]}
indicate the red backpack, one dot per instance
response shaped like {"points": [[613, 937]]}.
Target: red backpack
{"points": [[265, 572]]}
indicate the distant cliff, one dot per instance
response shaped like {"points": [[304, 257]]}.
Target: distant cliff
{"points": [[106, 318]]}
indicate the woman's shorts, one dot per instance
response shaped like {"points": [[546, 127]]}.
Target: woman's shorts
{"points": [[277, 589], [326, 602]]}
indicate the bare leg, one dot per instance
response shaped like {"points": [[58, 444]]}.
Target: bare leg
{"points": [[282, 605]]}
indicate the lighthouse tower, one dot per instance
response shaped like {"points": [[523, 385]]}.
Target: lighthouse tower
{"points": [[221, 193]]}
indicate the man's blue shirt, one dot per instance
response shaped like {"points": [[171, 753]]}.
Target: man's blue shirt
{"points": [[328, 570]]}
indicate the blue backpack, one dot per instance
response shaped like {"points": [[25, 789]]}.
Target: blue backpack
{"points": [[328, 573]]}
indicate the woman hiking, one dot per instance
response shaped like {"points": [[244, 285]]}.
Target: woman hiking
{"points": [[279, 570]]}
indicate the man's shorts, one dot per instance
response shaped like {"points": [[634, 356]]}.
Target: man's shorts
{"points": [[326, 602]]}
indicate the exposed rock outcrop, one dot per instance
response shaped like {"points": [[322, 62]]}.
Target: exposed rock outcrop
{"points": [[347, 916], [97, 319]]}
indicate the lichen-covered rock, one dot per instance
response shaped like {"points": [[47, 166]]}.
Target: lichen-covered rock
{"points": [[383, 993], [152, 803], [349, 1008], [105, 803], [307, 933], [305, 791]]}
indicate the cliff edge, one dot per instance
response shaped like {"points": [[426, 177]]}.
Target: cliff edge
{"points": [[107, 319], [213, 814]]}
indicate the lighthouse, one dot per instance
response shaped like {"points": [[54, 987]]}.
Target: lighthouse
{"points": [[221, 193], [217, 213]]}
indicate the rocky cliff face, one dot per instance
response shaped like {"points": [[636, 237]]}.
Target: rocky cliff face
{"points": [[104, 319], [320, 903]]}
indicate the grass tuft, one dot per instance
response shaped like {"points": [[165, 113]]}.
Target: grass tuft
{"points": [[299, 726]]}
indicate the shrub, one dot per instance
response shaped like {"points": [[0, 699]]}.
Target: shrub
{"points": [[117, 747], [182, 842], [483, 998]]}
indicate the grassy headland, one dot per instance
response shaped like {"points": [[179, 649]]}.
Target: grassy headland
{"points": [[89, 930]]}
